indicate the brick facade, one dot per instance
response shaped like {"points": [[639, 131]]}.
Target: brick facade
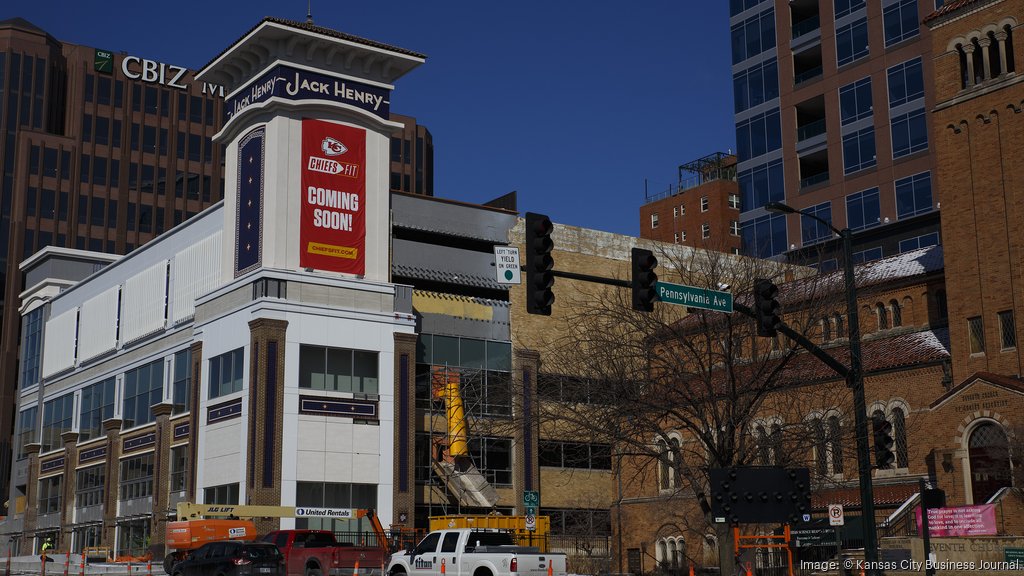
{"points": [[405, 429], [266, 416]]}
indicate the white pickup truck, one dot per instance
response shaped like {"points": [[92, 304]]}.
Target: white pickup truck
{"points": [[474, 552]]}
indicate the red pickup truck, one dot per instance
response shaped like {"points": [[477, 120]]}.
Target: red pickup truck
{"points": [[317, 553]]}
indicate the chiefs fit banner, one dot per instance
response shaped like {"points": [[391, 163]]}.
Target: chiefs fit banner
{"points": [[332, 231]]}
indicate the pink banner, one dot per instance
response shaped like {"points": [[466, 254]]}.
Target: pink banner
{"points": [[960, 521]]}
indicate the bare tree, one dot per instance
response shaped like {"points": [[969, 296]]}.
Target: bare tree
{"points": [[678, 395]]}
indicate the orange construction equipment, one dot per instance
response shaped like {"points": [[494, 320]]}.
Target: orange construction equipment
{"points": [[191, 534]]}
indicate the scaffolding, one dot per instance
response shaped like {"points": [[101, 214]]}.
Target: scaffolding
{"points": [[457, 396]]}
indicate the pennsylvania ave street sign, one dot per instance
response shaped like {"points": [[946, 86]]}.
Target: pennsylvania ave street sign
{"points": [[694, 297]]}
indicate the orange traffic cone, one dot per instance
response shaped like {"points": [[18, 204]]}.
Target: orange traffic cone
{"points": [[81, 567], [442, 566], [67, 563], [551, 568], [355, 569], [149, 568], [691, 569]]}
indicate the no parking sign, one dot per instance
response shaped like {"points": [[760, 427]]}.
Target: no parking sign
{"points": [[835, 515]]}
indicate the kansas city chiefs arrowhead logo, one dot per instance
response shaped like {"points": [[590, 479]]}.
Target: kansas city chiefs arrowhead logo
{"points": [[332, 147]]}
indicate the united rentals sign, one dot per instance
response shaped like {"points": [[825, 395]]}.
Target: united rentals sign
{"points": [[292, 83]]}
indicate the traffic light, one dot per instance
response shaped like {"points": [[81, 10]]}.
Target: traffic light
{"points": [[539, 264], [766, 307], [882, 430], [644, 280]]}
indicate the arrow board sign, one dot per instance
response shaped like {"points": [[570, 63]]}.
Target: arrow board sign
{"points": [[506, 263]]}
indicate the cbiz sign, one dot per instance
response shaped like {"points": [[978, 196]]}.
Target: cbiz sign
{"points": [[169, 75]]}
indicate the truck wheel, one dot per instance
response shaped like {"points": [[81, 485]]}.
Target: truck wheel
{"points": [[482, 572]]}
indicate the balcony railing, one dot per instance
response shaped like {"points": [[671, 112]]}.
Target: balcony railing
{"points": [[814, 179], [807, 75], [806, 26], [810, 130]]}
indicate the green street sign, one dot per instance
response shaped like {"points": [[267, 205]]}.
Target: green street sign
{"points": [[694, 297], [531, 498], [104, 61]]}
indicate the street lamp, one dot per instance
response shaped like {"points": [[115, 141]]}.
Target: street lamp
{"points": [[855, 381]]}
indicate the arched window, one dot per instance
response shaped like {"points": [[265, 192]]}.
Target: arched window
{"points": [[840, 328], [820, 447], [897, 314], [776, 442], [883, 316], [899, 433], [964, 75], [763, 449], [835, 436], [994, 62], [663, 553], [675, 455], [663, 464], [826, 329], [941, 309], [1009, 48], [989, 454]]}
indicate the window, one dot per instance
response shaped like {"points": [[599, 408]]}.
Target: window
{"points": [[919, 242], [179, 468], [900, 21], [668, 455], [226, 373], [899, 432], [576, 455], [976, 335], [855, 101], [761, 185], [581, 521], [682, 210], [897, 313], [675, 211], [862, 210], [182, 385], [737, 6], [675, 237], [914, 195], [335, 495], [840, 329], [828, 445], [57, 417], [765, 236], [338, 369], [682, 236], [493, 456], [909, 133], [1007, 330], [90, 486], [133, 537], [137, 477], [654, 220], [844, 7], [223, 494], [50, 490], [705, 230], [31, 346], [867, 255], [758, 135], [485, 370], [734, 201], [883, 316], [753, 36], [756, 85], [851, 42], [143, 387], [906, 82], [813, 231], [25, 433], [704, 203], [859, 150], [768, 445], [734, 228], [97, 406]]}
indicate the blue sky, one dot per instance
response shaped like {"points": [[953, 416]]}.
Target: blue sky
{"points": [[571, 103]]}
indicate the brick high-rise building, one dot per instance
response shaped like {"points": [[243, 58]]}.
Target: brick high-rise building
{"points": [[979, 134], [702, 211], [830, 104], [100, 151]]}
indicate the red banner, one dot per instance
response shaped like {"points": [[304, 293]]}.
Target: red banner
{"points": [[332, 231]]}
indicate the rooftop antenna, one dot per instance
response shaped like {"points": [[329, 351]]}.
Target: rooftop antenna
{"points": [[309, 11]]}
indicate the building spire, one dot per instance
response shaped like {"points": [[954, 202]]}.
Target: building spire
{"points": [[309, 11]]}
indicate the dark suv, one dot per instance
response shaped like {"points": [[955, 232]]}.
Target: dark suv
{"points": [[231, 558]]}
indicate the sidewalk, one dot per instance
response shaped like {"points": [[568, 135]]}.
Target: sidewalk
{"points": [[33, 565]]}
